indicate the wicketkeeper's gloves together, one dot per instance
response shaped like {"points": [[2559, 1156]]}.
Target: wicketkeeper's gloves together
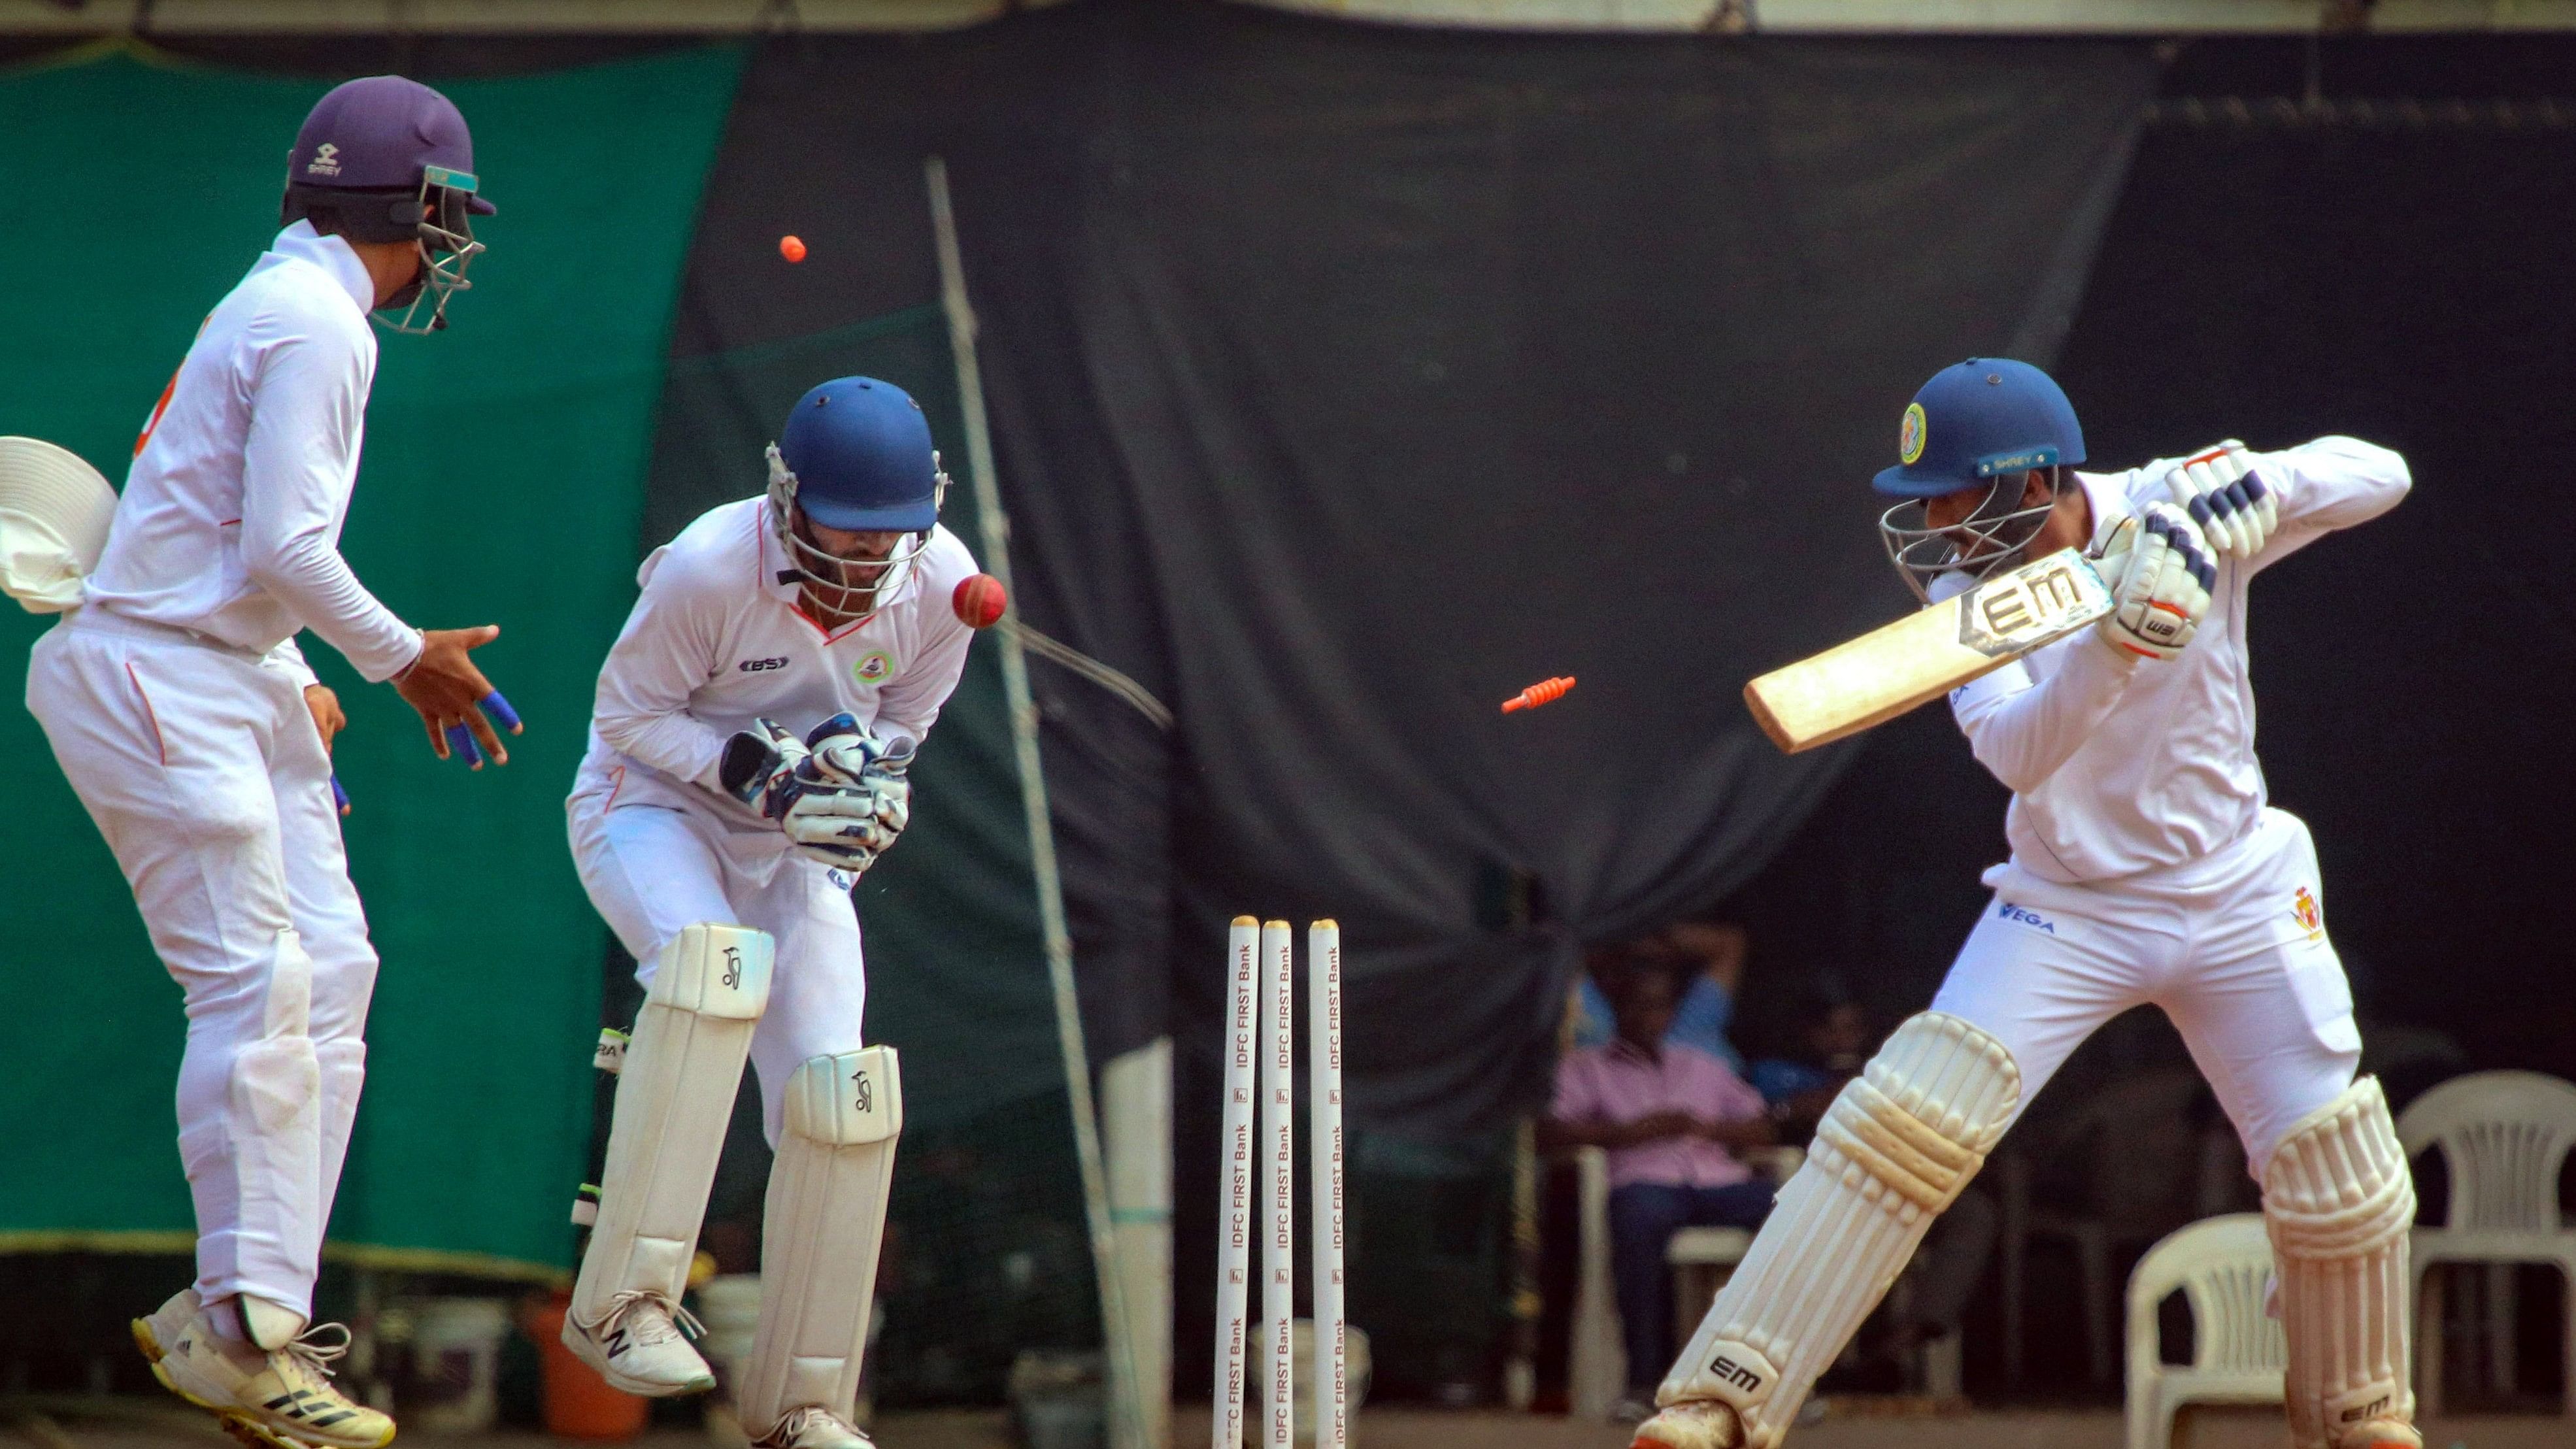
{"points": [[841, 794]]}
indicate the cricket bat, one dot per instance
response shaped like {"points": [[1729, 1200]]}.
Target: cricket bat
{"points": [[1890, 670]]}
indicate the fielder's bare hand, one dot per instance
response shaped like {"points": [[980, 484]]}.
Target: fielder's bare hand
{"points": [[453, 696], [325, 708]]}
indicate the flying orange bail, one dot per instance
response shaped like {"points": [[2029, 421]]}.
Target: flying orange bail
{"points": [[1543, 692]]}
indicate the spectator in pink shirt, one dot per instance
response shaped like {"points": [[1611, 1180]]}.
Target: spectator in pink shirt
{"points": [[1669, 1115]]}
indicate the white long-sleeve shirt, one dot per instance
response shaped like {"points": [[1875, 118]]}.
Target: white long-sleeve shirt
{"points": [[229, 525], [717, 640], [2120, 764]]}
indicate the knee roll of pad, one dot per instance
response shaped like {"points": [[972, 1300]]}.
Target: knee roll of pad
{"points": [[2339, 1201], [1896, 1147]]}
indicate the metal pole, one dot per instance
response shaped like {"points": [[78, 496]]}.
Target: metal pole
{"points": [[1126, 1425]]}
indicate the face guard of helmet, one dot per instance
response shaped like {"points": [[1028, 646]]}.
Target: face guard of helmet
{"points": [[385, 159], [854, 458], [1987, 421], [1994, 536]]}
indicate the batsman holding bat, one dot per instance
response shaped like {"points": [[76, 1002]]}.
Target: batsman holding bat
{"points": [[2146, 867], [722, 847], [182, 712]]}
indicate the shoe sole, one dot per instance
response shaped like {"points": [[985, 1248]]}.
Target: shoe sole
{"points": [[581, 1348], [239, 1423]]}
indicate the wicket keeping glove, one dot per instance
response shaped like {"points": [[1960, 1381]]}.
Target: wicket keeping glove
{"points": [[2160, 573], [2237, 510], [855, 795]]}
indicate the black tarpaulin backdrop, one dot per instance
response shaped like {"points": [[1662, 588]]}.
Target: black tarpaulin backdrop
{"points": [[1394, 400]]}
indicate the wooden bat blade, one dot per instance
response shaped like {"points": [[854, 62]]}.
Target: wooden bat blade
{"points": [[1919, 658]]}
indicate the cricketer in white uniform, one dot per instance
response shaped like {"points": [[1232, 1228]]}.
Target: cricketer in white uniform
{"points": [[2146, 868], [183, 714], [722, 851]]}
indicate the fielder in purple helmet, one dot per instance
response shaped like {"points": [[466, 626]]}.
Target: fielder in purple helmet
{"points": [[179, 704], [2148, 868]]}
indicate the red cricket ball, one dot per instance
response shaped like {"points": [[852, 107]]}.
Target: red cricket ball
{"points": [[980, 600]]}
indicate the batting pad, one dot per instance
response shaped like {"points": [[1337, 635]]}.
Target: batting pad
{"points": [[818, 1256], [1894, 1150], [2339, 1201], [674, 1096]]}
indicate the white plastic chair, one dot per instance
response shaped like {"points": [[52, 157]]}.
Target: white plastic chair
{"points": [[2237, 1353], [2504, 1136]]}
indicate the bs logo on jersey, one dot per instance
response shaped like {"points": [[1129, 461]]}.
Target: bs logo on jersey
{"points": [[872, 666]]}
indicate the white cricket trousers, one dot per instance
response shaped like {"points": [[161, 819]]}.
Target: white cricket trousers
{"points": [[651, 870], [203, 770], [2232, 947]]}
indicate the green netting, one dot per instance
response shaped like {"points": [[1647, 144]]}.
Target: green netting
{"points": [[503, 481]]}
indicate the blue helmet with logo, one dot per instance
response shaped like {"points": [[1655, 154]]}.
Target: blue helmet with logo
{"points": [[855, 457], [1977, 419], [387, 159], [1990, 422]]}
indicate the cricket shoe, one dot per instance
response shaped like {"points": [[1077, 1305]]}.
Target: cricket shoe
{"points": [[2380, 1434], [638, 1347], [813, 1427], [1691, 1424], [281, 1399]]}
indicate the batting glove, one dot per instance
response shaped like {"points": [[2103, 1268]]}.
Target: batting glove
{"points": [[2162, 574], [2236, 509]]}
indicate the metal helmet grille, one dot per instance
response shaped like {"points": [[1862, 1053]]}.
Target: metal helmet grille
{"points": [[823, 574], [447, 248], [1995, 536]]}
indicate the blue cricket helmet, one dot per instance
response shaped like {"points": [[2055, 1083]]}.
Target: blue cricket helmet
{"points": [[857, 455], [1977, 419]]}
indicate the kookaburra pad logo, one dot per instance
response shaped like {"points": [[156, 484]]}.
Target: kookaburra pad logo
{"points": [[867, 1097], [733, 968], [1740, 1375], [2016, 612]]}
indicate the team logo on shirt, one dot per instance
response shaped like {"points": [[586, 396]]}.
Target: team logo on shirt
{"points": [[2311, 916], [1909, 434], [872, 666]]}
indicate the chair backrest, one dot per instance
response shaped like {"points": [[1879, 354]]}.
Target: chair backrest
{"points": [[2504, 1136], [2223, 1266]]}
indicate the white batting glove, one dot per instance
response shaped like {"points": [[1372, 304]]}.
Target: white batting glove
{"points": [[2160, 572], [2236, 508]]}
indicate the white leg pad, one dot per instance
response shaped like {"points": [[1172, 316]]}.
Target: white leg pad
{"points": [[825, 1218], [2339, 1201], [1894, 1150], [674, 1097]]}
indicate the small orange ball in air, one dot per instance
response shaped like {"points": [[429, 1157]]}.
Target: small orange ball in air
{"points": [[792, 248], [979, 601]]}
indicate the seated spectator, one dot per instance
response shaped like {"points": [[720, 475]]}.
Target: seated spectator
{"points": [[1711, 953], [1668, 1113], [1832, 1041]]}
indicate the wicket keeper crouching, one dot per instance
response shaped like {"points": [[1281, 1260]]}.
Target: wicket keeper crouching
{"points": [[747, 763], [2147, 867]]}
